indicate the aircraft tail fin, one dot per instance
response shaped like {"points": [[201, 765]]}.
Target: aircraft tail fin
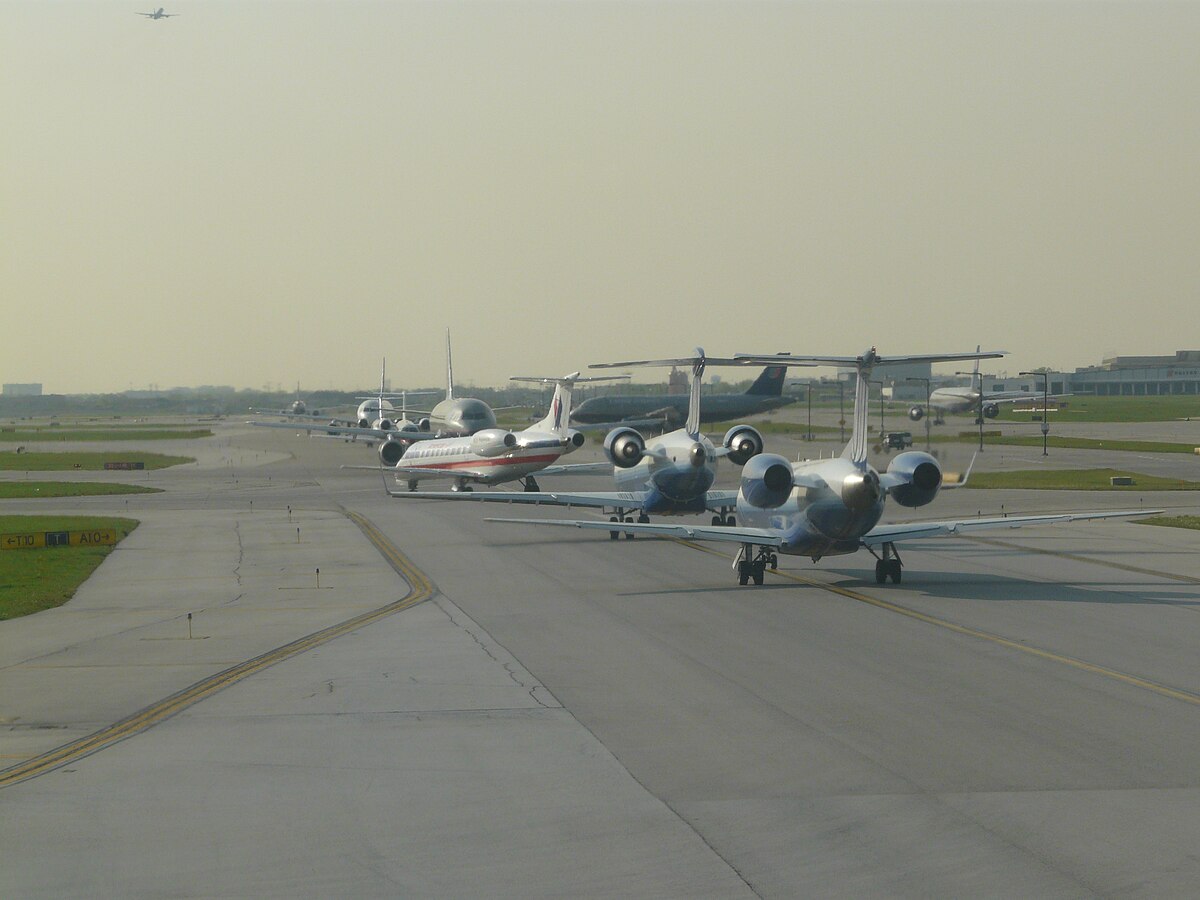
{"points": [[449, 369], [558, 419], [769, 383]]}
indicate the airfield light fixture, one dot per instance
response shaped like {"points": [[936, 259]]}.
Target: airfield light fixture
{"points": [[928, 438], [1045, 376]]}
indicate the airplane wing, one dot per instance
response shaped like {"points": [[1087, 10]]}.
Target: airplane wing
{"points": [[762, 537], [882, 534], [350, 431], [714, 500], [591, 468]]}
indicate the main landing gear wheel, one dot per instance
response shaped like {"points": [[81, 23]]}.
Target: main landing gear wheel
{"points": [[724, 521], [755, 568], [531, 484], [613, 535], [412, 484], [629, 535], [889, 565]]}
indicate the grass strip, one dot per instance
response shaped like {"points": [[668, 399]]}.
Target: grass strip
{"points": [[1076, 480], [1192, 522], [24, 490], [88, 461], [34, 580]]}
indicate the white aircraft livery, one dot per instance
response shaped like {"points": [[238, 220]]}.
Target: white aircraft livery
{"points": [[829, 507], [669, 475]]}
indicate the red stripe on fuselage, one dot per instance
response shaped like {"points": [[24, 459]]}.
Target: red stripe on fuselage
{"points": [[478, 463]]}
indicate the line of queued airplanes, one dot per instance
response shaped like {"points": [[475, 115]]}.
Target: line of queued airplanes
{"points": [[813, 508]]}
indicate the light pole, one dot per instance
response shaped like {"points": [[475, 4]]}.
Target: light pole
{"points": [[928, 439], [1045, 376], [880, 383], [979, 409]]}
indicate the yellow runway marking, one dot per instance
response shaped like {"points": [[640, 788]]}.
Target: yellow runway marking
{"points": [[421, 590], [1116, 675]]}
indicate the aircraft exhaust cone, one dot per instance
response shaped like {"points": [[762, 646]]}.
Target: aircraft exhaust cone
{"points": [[696, 455]]}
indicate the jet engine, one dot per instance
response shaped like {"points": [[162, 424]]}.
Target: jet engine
{"points": [[624, 447], [917, 413], [921, 474], [492, 442], [392, 451], [575, 440], [364, 422], [991, 410], [742, 442], [767, 480], [423, 424]]}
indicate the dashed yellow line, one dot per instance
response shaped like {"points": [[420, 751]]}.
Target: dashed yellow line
{"points": [[421, 590], [1104, 671]]}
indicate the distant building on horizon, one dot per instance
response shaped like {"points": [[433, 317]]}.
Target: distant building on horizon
{"points": [[22, 390]]}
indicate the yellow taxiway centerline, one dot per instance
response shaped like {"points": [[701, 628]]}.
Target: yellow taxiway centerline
{"points": [[421, 589], [1083, 665]]}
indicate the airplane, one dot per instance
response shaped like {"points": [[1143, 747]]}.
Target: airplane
{"points": [[496, 455], [672, 475], [959, 400], [296, 409], [831, 507], [766, 393], [157, 14], [452, 417]]}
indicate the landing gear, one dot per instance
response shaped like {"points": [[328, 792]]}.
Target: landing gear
{"points": [[412, 484], [888, 565], [530, 483], [461, 486], [750, 565], [621, 517], [724, 519]]}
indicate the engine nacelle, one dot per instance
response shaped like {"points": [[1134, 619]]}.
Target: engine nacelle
{"points": [[424, 424], [991, 410], [743, 442], [492, 442], [364, 422], [392, 451], [624, 447], [575, 440], [384, 425], [767, 480], [917, 413], [922, 477]]}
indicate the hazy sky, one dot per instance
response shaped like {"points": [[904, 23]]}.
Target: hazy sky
{"points": [[262, 192]]}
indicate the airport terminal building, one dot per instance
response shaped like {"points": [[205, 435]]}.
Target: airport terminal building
{"points": [[1139, 376]]}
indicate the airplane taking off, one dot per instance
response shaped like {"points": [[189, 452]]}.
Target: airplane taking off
{"points": [[157, 14], [496, 455], [765, 394], [830, 507], [959, 400], [673, 475]]}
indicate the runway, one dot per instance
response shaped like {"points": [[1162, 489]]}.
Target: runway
{"points": [[572, 715]]}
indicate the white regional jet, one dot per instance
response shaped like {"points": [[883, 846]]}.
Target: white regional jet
{"points": [[496, 455], [671, 475], [157, 14], [451, 417], [958, 400], [830, 507]]}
